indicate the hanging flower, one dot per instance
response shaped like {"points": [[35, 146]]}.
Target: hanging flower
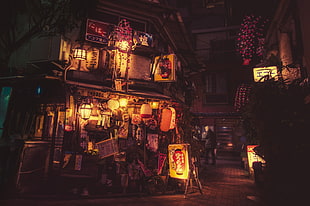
{"points": [[250, 40]]}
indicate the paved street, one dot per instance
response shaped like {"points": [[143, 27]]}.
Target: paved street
{"points": [[224, 184]]}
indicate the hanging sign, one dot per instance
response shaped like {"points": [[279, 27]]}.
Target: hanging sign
{"points": [[178, 160], [260, 72], [142, 39], [97, 31], [92, 61], [164, 68]]}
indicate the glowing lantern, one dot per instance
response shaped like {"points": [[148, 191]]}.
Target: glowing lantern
{"points": [[113, 104], [146, 111], [79, 53], [165, 121], [85, 110], [154, 105], [123, 102], [124, 45], [173, 117]]}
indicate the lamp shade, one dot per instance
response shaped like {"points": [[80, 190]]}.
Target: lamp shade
{"points": [[113, 104], [146, 111], [79, 53], [85, 110]]}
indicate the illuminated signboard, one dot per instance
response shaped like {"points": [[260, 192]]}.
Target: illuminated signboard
{"points": [[142, 39], [178, 160], [252, 157], [164, 67], [260, 73], [97, 31]]}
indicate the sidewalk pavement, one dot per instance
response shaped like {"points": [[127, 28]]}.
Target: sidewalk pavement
{"points": [[228, 184], [224, 184]]}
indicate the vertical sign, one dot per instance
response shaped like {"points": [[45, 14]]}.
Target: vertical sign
{"points": [[178, 160], [92, 61]]}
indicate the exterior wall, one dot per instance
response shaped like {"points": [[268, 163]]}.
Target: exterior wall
{"points": [[304, 16]]}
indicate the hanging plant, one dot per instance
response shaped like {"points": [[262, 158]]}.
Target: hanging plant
{"points": [[250, 40]]}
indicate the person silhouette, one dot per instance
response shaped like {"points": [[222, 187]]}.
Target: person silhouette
{"points": [[210, 146]]}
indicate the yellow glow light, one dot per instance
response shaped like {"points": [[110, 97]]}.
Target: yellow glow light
{"points": [[123, 102], [123, 45], [79, 54], [85, 110]]}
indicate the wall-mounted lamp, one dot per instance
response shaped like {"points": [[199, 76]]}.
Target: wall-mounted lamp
{"points": [[85, 110], [79, 53]]}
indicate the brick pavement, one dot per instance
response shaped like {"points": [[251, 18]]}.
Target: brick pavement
{"points": [[227, 183], [224, 184]]}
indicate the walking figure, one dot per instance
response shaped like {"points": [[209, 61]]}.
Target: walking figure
{"points": [[210, 146]]}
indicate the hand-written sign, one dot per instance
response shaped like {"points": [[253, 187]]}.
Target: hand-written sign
{"points": [[107, 148]]}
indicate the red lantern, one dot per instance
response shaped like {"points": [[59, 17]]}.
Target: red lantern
{"points": [[165, 121]]}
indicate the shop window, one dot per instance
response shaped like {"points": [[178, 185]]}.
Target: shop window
{"points": [[4, 102]]}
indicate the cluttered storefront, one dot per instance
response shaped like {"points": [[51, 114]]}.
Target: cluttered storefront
{"points": [[98, 124], [87, 139]]}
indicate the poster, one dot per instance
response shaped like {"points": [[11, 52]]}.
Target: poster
{"points": [[107, 148], [178, 160], [164, 68]]}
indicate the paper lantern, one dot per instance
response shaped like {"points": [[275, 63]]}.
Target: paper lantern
{"points": [[113, 104], [165, 120], [173, 118], [79, 53], [85, 110], [146, 111], [123, 102]]}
